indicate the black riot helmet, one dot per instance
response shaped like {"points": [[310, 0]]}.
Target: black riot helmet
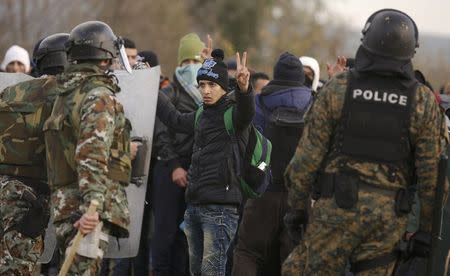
{"points": [[391, 33], [93, 40], [50, 56]]}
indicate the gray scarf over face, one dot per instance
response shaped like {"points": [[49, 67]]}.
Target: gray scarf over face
{"points": [[189, 86]]}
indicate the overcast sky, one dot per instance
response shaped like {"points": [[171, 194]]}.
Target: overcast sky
{"points": [[431, 16]]}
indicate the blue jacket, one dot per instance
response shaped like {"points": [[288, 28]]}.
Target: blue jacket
{"points": [[284, 139], [280, 93]]}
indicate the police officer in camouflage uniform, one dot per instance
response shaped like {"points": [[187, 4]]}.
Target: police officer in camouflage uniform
{"points": [[88, 147], [50, 56], [24, 193], [370, 135]]}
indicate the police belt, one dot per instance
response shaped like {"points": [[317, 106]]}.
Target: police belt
{"points": [[331, 185], [374, 189], [383, 260], [325, 185]]}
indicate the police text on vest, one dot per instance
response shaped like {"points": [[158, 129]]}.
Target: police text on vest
{"points": [[376, 96]]}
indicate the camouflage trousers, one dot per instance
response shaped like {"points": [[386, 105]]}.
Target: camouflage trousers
{"points": [[81, 266], [335, 236], [18, 253]]}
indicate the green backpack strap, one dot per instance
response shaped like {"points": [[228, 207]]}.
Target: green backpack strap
{"points": [[262, 151], [263, 147], [198, 112], [228, 119]]}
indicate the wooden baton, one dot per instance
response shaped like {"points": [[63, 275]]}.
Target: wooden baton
{"points": [[76, 242]]}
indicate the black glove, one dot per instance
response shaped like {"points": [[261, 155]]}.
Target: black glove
{"points": [[295, 222], [34, 222], [419, 244]]}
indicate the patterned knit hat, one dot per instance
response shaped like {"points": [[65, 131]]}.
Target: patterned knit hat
{"points": [[215, 70]]}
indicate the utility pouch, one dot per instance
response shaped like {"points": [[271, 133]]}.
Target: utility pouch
{"points": [[403, 202], [420, 245], [35, 221], [139, 164], [345, 190], [324, 187]]}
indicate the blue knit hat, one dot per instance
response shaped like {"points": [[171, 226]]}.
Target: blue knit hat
{"points": [[289, 68]]}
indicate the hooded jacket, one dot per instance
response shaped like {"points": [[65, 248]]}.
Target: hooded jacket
{"points": [[314, 65], [281, 94]]}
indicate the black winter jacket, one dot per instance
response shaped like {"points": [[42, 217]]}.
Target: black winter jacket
{"points": [[211, 179], [175, 147]]}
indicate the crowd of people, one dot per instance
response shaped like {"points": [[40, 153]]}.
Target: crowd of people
{"points": [[250, 175]]}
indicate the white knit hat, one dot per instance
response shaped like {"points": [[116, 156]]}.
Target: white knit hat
{"points": [[314, 65], [16, 53]]}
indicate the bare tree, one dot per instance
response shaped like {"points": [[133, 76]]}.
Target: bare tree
{"points": [[264, 27], [27, 21], [301, 27]]}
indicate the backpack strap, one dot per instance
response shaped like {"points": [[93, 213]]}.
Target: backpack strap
{"points": [[228, 119], [198, 112], [265, 151], [265, 110], [263, 105]]}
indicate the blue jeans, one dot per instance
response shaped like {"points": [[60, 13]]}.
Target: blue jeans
{"points": [[209, 230]]}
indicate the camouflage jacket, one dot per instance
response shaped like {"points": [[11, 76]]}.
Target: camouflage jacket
{"points": [[24, 107], [315, 149], [88, 140]]}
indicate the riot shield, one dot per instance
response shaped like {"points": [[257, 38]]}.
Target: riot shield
{"points": [[8, 79], [49, 244], [139, 94]]}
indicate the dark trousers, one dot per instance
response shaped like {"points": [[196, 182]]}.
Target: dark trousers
{"points": [[263, 242], [169, 245]]}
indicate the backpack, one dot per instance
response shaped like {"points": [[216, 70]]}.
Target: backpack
{"points": [[24, 107], [284, 127], [283, 116], [252, 158]]}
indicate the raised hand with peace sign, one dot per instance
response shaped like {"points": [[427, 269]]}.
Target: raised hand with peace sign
{"points": [[206, 52], [242, 72]]}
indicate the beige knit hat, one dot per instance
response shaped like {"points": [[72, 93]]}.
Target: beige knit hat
{"points": [[190, 48]]}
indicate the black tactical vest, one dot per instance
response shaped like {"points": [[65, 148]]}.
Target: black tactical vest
{"points": [[375, 119]]}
